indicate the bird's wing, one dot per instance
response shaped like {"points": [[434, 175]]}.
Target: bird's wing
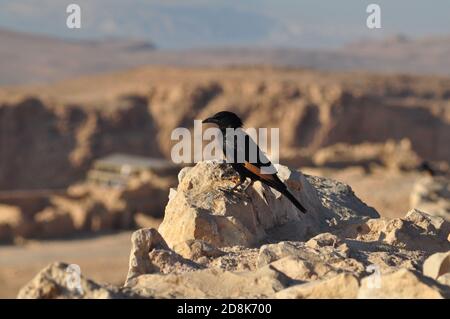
{"points": [[259, 172], [248, 153], [254, 156], [242, 149]]}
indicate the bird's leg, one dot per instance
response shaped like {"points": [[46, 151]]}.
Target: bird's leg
{"points": [[238, 184], [248, 185], [238, 180]]}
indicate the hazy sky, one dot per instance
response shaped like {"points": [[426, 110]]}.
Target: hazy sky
{"points": [[206, 23]]}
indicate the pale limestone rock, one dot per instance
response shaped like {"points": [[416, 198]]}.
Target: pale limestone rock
{"points": [[14, 223], [183, 173], [11, 215], [201, 210], [143, 242], [51, 223], [145, 193], [418, 231], [166, 261], [391, 154], [172, 193], [327, 265], [195, 249], [88, 214], [432, 195], [53, 282], [402, 283], [323, 240], [88, 207], [283, 270], [272, 252], [298, 269], [340, 286], [150, 254], [429, 222], [312, 263], [10, 219], [444, 279], [212, 283], [437, 265]]}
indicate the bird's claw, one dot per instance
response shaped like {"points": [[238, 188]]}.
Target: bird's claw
{"points": [[235, 179], [234, 191]]}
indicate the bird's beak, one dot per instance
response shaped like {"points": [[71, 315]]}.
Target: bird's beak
{"points": [[209, 120]]}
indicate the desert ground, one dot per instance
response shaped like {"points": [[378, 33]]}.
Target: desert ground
{"points": [[20, 263]]}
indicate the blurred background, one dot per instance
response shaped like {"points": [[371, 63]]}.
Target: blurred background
{"points": [[86, 114]]}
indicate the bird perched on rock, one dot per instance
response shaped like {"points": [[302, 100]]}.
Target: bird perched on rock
{"points": [[434, 169], [245, 156]]}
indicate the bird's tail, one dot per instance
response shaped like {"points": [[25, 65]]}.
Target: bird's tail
{"points": [[294, 201]]}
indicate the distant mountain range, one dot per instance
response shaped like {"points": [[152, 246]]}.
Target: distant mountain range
{"points": [[29, 58]]}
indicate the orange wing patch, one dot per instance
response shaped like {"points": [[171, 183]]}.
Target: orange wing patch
{"points": [[257, 171]]}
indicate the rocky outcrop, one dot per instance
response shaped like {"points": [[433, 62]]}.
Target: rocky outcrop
{"points": [[150, 254], [55, 281], [437, 266], [209, 283], [70, 124], [355, 256], [392, 155], [403, 283], [432, 195], [13, 223], [61, 140], [339, 286], [327, 266], [201, 209], [87, 207], [327, 120]]}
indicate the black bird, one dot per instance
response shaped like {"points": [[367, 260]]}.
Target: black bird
{"points": [[247, 159], [426, 166], [433, 169]]}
